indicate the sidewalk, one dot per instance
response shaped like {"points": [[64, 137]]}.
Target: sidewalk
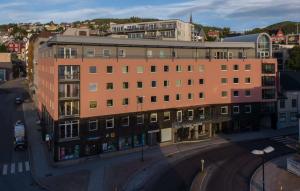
{"points": [[277, 178], [116, 170]]}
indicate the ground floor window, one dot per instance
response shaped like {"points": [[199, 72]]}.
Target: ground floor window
{"points": [[69, 129], [109, 146], [125, 143], [68, 152], [139, 140], [92, 149]]}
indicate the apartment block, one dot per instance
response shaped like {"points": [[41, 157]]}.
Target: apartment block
{"points": [[100, 95], [163, 30]]}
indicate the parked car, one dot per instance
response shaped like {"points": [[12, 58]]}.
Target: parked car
{"points": [[18, 100], [20, 139]]}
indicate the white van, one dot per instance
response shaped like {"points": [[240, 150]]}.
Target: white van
{"points": [[20, 140]]}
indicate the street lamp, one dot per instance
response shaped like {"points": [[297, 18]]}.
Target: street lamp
{"points": [[266, 150], [298, 116], [140, 100]]}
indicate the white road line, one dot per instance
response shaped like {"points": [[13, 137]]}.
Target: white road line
{"points": [[12, 168], [20, 167], [4, 171], [27, 167]]}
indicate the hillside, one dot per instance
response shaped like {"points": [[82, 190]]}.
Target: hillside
{"points": [[287, 26]]}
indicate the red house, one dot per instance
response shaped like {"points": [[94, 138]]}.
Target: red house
{"points": [[15, 47], [277, 36]]}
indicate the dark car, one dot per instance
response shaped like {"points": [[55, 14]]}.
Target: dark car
{"points": [[18, 100]]}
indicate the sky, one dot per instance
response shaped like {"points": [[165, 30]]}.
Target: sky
{"points": [[239, 15]]}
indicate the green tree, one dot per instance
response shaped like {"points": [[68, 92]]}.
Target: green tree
{"points": [[3, 48], [293, 62]]}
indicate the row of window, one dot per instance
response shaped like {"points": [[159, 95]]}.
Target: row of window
{"points": [[282, 103], [166, 83], [283, 117], [166, 68], [93, 124], [166, 98]]}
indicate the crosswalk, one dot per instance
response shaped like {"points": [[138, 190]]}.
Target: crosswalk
{"points": [[15, 168], [288, 141]]}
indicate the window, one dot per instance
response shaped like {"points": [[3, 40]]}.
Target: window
{"points": [[125, 121], [201, 68], [153, 68], [268, 68], [224, 67], [247, 108], [139, 84], [178, 83], [230, 55], [247, 93], [202, 113], [190, 96], [268, 94], [201, 81], [106, 53], [125, 69], [248, 67], [69, 90], [69, 129], [166, 68], [236, 93], [190, 114], [224, 93], [294, 103], [140, 99], [235, 67], [125, 101], [153, 84], [224, 110], [109, 123], [178, 68], [109, 69], [68, 108], [236, 109], [92, 69], [109, 86], [93, 125], [224, 80], [178, 97], [282, 104], [179, 116], [149, 53], [140, 69], [247, 80], [121, 53], [190, 68], [109, 103], [69, 72], [167, 116], [190, 82], [282, 117], [166, 98], [166, 83], [66, 52], [201, 95], [235, 80], [153, 99], [161, 54], [293, 116], [125, 85], [93, 104], [268, 81], [153, 117], [140, 119], [92, 87]]}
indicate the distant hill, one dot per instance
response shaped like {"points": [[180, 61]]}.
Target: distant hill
{"points": [[288, 27]]}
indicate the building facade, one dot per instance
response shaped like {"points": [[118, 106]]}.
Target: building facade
{"points": [[5, 67], [163, 30], [102, 94]]}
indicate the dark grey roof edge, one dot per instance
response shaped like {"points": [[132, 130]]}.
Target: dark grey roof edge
{"points": [[245, 38], [92, 40]]}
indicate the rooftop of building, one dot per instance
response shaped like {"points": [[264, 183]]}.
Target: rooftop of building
{"points": [[245, 38], [146, 22], [290, 81], [107, 41]]}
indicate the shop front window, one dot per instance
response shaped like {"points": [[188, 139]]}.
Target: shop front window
{"points": [[69, 152], [139, 140], [125, 143]]}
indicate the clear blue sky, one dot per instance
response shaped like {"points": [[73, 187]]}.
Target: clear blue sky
{"points": [[238, 14]]}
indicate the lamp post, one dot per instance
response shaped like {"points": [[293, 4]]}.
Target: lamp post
{"points": [[298, 116], [266, 150], [140, 100]]}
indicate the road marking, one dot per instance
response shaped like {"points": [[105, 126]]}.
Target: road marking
{"points": [[12, 168], [4, 171], [20, 167], [27, 167]]}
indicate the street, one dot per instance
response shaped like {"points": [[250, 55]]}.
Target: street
{"points": [[14, 165], [232, 167]]}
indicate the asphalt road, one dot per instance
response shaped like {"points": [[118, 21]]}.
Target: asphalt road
{"points": [[14, 165], [233, 165]]}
